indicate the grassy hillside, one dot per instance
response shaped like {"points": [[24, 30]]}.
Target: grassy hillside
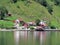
{"points": [[32, 11]]}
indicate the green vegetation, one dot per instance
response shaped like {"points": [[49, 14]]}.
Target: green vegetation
{"points": [[37, 22], [6, 24], [42, 2], [3, 12], [57, 2], [14, 1], [32, 10]]}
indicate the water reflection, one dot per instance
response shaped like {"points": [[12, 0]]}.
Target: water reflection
{"points": [[16, 37], [6, 38], [29, 38]]}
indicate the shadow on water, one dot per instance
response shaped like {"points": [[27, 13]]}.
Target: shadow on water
{"points": [[29, 38]]}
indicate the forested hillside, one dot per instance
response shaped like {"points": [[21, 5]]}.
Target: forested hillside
{"points": [[31, 10]]}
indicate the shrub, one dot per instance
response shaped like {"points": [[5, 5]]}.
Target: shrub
{"points": [[37, 22], [31, 27], [52, 27], [6, 24], [27, 3], [3, 12], [50, 9], [57, 2], [18, 6], [14, 1], [42, 2]]}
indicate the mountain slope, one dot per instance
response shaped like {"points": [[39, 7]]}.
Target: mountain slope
{"points": [[32, 11]]}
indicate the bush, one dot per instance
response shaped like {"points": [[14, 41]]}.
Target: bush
{"points": [[3, 12], [6, 24], [42, 2], [31, 27], [27, 3], [37, 22], [14, 1], [57, 2], [52, 27], [50, 9], [18, 6]]}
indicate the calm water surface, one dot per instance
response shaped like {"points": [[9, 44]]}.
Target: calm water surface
{"points": [[29, 38]]}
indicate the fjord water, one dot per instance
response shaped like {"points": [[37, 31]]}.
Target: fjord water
{"points": [[29, 38]]}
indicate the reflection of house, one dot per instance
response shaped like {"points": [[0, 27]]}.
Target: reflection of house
{"points": [[41, 36]]}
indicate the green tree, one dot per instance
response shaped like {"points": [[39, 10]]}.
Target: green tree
{"points": [[50, 8], [14, 1], [42, 2], [3, 12], [37, 22], [57, 2]]}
